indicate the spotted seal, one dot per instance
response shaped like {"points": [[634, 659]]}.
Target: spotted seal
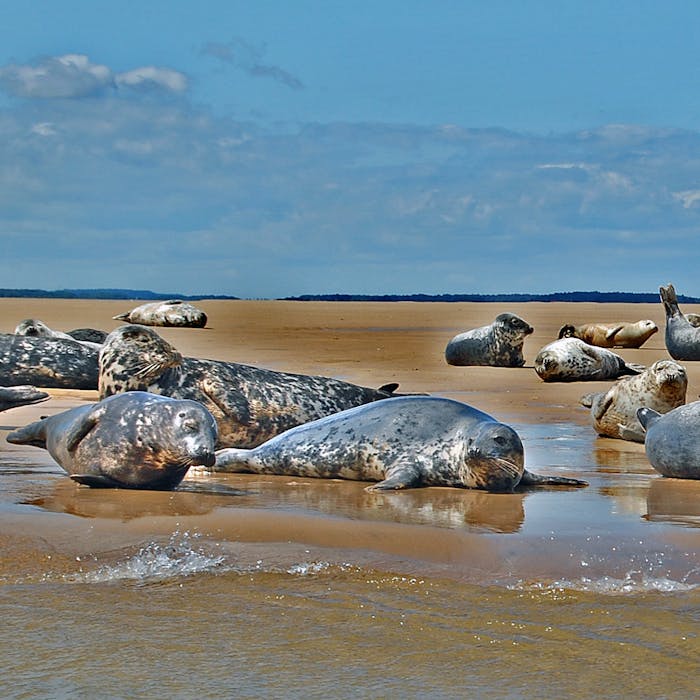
{"points": [[250, 404], [682, 337], [400, 443], [572, 360], [662, 387], [672, 441], [499, 344], [47, 362], [38, 329], [173, 312], [15, 396], [612, 335], [135, 440], [92, 335]]}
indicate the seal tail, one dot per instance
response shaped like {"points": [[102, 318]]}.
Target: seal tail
{"points": [[122, 317], [532, 479], [233, 459]]}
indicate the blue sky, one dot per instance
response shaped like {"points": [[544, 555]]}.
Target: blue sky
{"points": [[265, 149]]}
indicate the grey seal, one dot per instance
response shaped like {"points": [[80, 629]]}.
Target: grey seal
{"points": [[682, 337], [172, 312], [672, 441], [400, 443], [15, 396], [499, 344], [135, 440], [38, 329], [572, 360], [47, 362], [623, 334], [250, 404], [93, 335], [662, 387]]}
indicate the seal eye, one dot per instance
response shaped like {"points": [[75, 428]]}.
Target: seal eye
{"points": [[499, 440]]}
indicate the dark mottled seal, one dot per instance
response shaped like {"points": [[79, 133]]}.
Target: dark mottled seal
{"points": [[92, 335], [47, 362], [572, 360], [173, 312], [612, 335], [250, 404], [662, 387], [14, 396], [672, 441], [135, 440], [682, 337], [38, 329], [499, 344], [401, 443]]}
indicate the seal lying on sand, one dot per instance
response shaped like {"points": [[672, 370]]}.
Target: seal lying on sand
{"points": [[135, 440], [499, 344], [572, 360], [47, 362], [662, 388], [672, 440], [682, 337], [402, 442], [38, 329], [612, 335], [250, 404], [172, 312], [14, 396], [92, 335]]}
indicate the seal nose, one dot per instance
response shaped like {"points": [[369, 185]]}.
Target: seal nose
{"points": [[205, 458]]}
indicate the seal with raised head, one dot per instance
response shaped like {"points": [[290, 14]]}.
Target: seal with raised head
{"points": [[250, 404], [47, 362], [612, 335], [135, 440], [38, 329], [572, 360], [172, 312], [662, 387], [499, 344], [672, 441], [682, 337], [400, 443], [15, 396]]}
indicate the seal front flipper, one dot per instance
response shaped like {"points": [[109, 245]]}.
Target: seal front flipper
{"points": [[231, 403], [96, 481], [532, 479], [403, 475], [81, 428]]}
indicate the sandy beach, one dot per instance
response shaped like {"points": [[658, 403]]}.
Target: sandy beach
{"points": [[537, 559]]}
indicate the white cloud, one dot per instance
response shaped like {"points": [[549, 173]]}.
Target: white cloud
{"points": [[149, 76]]}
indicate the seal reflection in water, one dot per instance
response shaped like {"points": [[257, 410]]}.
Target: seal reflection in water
{"points": [[135, 440], [400, 443], [250, 404]]}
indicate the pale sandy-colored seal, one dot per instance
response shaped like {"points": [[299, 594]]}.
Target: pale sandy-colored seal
{"points": [[400, 443], [572, 360], [38, 329], [499, 344], [672, 441], [682, 337], [612, 335], [250, 404], [47, 362], [173, 312], [662, 387], [14, 396], [135, 440]]}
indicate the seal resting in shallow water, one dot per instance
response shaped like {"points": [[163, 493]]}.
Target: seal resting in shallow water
{"points": [[612, 335], [250, 404], [572, 360], [135, 440], [14, 396], [400, 443], [662, 387], [682, 337], [672, 441], [173, 312], [499, 344]]}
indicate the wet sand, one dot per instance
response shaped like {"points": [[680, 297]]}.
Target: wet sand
{"points": [[630, 535]]}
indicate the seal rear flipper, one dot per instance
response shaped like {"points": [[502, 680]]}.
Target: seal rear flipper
{"points": [[96, 481], [31, 434], [532, 479], [233, 459], [122, 317], [646, 416], [632, 368], [389, 388]]}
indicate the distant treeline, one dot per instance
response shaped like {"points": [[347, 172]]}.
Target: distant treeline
{"points": [[103, 294]]}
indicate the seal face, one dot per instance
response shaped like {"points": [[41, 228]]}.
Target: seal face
{"points": [[612, 335], [47, 362], [14, 396], [250, 404], [173, 312], [135, 440], [572, 360], [672, 442], [682, 337], [499, 344], [662, 387], [400, 443]]}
